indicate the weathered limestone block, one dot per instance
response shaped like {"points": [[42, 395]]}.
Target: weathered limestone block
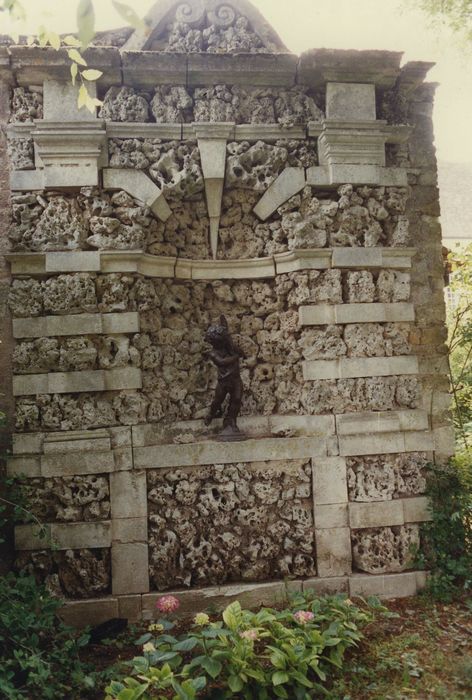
{"points": [[174, 165], [26, 105], [113, 292], [122, 104], [384, 550], [382, 477], [59, 227], [68, 499], [73, 573], [67, 294], [393, 286], [172, 104], [25, 298], [21, 154], [294, 106], [254, 167], [228, 523]]}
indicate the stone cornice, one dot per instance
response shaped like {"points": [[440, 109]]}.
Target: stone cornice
{"points": [[182, 268]]}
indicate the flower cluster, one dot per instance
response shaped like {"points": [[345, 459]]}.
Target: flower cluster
{"points": [[201, 619], [167, 604], [156, 628], [250, 634], [149, 647], [303, 616]]}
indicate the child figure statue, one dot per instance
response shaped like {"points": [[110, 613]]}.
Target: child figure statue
{"points": [[225, 356]]}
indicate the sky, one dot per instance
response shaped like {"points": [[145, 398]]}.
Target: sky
{"points": [[344, 24]]}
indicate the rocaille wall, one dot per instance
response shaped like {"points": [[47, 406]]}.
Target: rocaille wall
{"points": [[298, 197]]}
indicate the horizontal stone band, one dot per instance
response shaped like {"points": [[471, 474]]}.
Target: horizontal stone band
{"points": [[76, 324], [324, 314], [351, 367], [88, 380]]}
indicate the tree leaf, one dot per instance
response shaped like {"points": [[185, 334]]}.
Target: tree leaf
{"points": [[82, 98], [74, 69], [85, 22], [235, 683], [212, 666], [91, 74], [186, 644], [129, 15], [74, 55], [71, 40], [55, 40], [279, 677]]}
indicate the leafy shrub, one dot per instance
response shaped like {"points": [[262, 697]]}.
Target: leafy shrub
{"points": [[447, 539], [39, 654], [287, 654]]}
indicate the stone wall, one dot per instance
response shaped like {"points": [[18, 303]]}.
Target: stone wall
{"points": [[298, 198]]}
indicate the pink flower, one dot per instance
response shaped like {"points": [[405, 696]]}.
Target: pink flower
{"points": [[250, 634], [167, 604], [303, 616]]}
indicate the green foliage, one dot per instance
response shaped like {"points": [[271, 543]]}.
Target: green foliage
{"points": [[39, 656], [255, 656], [456, 14], [447, 539], [459, 319]]}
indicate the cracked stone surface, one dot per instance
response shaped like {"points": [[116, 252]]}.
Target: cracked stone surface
{"points": [[72, 573], [385, 549], [383, 477], [222, 523]]}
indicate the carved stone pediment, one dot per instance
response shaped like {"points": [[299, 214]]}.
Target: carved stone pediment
{"points": [[206, 26]]}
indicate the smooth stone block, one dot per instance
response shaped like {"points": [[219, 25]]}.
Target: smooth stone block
{"points": [[352, 367], [27, 443], [128, 494], [331, 516], [129, 607], [371, 444], [200, 453], [28, 466], [376, 514], [329, 481], [82, 613], [76, 261], [77, 463], [128, 530], [333, 552], [416, 510], [129, 565], [381, 421], [138, 185], [32, 537], [326, 586], [350, 101], [90, 535], [289, 182]]}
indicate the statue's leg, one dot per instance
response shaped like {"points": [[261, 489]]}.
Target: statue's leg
{"points": [[215, 408], [236, 395]]}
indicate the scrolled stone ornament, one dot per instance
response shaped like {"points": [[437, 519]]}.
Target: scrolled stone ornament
{"points": [[191, 12], [222, 15], [225, 356]]}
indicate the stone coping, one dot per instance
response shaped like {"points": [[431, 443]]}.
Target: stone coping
{"points": [[182, 268], [352, 367], [80, 381], [30, 65], [80, 613], [179, 131], [76, 324], [328, 314]]}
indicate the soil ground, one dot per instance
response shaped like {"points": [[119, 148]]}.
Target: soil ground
{"points": [[424, 652]]}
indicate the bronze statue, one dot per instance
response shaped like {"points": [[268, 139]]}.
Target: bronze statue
{"points": [[225, 355]]}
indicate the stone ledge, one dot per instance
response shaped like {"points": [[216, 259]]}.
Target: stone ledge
{"points": [[381, 422], [249, 268], [416, 509], [324, 314], [89, 535], [200, 453], [76, 324], [386, 586], [76, 382], [80, 613], [252, 426], [36, 443], [385, 443], [271, 70], [351, 367]]}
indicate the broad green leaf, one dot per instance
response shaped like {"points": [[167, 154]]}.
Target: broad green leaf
{"points": [[92, 103], [91, 74], [73, 71], [71, 40], [279, 677], [186, 644], [129, 15], [232, 615], [143, 639], [235, 684], [82, 98], [85, 22], [199, 683], [211, 666], [74, 55], [126, 694], [55, 40]]}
